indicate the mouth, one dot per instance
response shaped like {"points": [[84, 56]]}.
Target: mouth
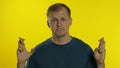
{"points": [[59, 29]]}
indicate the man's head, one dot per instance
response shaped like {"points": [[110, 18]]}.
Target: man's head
{"points": [[59, 19], [57, 7]]}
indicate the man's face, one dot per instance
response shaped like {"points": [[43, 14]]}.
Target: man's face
{"points": [[59, 22]]}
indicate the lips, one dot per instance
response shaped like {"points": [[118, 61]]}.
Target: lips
{"points": [[59, 29]]}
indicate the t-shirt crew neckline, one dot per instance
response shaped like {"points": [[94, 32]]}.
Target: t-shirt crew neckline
{"points": [[63, 44]]}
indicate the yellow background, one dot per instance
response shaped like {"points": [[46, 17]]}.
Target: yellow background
{"points": [[92, 19]]}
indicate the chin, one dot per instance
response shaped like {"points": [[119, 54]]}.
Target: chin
{"points": [[60, 35]]}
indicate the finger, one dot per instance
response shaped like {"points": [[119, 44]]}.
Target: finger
{"points": [[101, 39], [32, 51], [101, 43], [21, 41], [96, 49], [101, 50], [21, 38], [21, 47], [18, 50], [96, 53]]}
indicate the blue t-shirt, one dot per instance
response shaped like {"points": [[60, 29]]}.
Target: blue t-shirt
{"points": [[75, 54]]}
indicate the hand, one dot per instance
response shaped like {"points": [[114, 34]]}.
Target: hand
{"points": [[22, 53], [99, 52]]}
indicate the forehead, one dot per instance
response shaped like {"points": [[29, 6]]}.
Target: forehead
{"points": [[60, 12]]}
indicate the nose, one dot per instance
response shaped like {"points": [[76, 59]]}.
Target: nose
{"points": [[59, 23]]}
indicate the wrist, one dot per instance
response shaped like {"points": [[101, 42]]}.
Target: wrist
{"points": [[20, 65], [100, 65]]}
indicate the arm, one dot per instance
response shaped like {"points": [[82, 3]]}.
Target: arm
{"points": [[22, 54], [99, 54]]}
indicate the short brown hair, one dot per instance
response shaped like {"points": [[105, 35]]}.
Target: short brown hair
{"points": [[58, 6]]}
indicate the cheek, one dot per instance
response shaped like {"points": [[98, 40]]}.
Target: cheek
{"points": [[66, 26], [53, 27]]}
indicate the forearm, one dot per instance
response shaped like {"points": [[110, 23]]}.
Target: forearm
{"points": [[20, 65]]}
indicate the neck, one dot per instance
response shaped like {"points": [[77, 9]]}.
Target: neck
{"points": [[61, 40]]}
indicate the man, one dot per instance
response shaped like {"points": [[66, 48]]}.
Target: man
{"points": [[61, 50]]}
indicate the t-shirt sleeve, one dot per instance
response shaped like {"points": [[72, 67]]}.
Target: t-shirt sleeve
{"points": [[91, 60], [31, 63]]}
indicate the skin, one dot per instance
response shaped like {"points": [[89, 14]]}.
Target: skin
{"points": [[59, 23], [99, 53], [22, 54]]}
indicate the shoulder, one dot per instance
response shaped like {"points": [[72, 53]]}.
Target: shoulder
{"points": [[81, 44], [43, 44], [40, 47]]}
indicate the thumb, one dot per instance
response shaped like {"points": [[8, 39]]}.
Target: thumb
{"points": [[32, 51], [96, 53]]}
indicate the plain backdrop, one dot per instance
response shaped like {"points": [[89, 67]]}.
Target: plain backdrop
{"points": [[92, 19]]}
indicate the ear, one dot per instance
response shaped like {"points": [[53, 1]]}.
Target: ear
{"points": [[70, 23], [48, 24]]}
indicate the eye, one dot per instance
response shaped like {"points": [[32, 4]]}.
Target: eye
{"points": [[63, 19], [54, 20]]}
